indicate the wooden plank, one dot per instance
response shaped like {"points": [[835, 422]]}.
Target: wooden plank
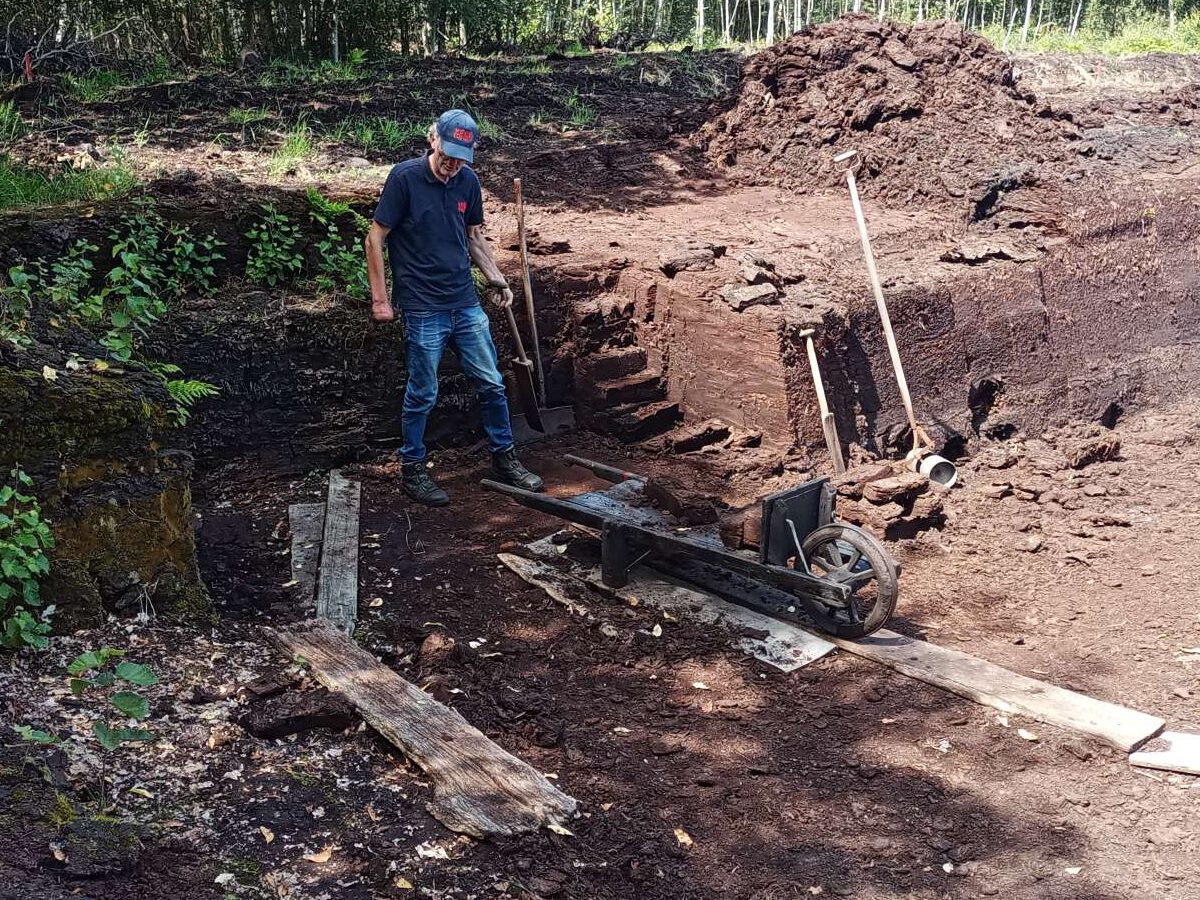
{"points": [[306, 521], [478, 788], [1181, 753], [565, 589], [337, 584], [995, 686]]}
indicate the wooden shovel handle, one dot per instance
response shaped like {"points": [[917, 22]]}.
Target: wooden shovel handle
{"points": [[512, 323]]}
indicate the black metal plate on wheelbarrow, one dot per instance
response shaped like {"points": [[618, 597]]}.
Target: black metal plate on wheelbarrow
{"points": [[807, 507]]}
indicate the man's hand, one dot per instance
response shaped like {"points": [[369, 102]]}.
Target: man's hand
{"points": [[502, 295], [381, 311]]}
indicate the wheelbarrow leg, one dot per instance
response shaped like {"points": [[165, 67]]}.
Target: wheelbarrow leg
{"points": [[614, 555]]}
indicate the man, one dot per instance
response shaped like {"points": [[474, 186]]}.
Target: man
{"points": [[430, 218]]}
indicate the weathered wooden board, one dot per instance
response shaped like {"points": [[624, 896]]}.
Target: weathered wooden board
{"points": [[478, 788], [306, 521], [337, 583], [565, 589], [1182, 754], [995, 686]]}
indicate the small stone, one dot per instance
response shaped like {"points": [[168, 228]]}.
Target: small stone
{"points": [[1182, 693], [357, 162], [996, 490], [1031, 544], [741, 297], [1094, 490]]}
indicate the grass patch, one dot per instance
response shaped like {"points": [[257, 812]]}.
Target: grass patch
{"points": [[535, 68], [24, 188], [378, 133], [100, 85], [12, 126], [582, 115], [296, 147], [251, 116]]}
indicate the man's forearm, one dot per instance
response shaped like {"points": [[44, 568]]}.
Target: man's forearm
{"points": [[481, 255], [375, 274]]}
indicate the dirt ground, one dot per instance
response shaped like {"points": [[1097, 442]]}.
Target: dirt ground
{"points": [[842, 778]]}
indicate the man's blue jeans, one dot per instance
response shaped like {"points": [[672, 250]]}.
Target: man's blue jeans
{"points": [[426, 336]]}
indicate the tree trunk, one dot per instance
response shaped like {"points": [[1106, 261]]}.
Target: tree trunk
{"points": [[1171, 15], [1075, 20], [699, 24], [1028, 17], [770, 34]]}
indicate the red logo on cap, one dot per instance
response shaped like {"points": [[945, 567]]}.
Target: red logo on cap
{"points": [[462, 206], [463, 134]]}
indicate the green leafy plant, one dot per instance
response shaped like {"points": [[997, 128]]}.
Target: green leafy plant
{"points": [[70, 281], [341, 265], [16, 303], [24, 540], [193, 261], [133, 294], [582, 115], [275, 255], [184, 391]]}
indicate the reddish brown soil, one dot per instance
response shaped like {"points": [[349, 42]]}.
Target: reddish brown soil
{"points": [[933, 109]]}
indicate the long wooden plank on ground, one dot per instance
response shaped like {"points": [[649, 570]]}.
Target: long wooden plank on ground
{"points": [[337, 585], [478, 788], [306, 521], [1181, 754], [995, 686]]}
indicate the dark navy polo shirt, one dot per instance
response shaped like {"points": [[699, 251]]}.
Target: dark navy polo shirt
{"points": [[427, 244]]}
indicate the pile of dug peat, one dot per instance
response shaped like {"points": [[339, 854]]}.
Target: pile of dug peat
{"points": [[932, 107]]}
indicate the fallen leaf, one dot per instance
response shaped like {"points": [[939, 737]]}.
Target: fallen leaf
{"points": [[49, 374], [558, 829], [267, 833], [292, 583], [668, 617], [99, 365], [141, 792], [372, 813], [656, 630], [321, 856], [431, 851], [685, 839], [621, 729], [947, 867], [58, 852], [1027, 735], [1002, 720], [224, 879], [1073, 870], [634, 601], [606, 806], [376, 602], [73, 364], [402, 883], [700, 685]]}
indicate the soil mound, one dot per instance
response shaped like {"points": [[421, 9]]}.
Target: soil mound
{"points": [[933, 109]]}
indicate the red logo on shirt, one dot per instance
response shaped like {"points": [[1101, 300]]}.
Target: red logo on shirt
{"points": [[462, 206]]}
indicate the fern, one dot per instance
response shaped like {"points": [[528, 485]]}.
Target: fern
{"points": [[185, 392]]}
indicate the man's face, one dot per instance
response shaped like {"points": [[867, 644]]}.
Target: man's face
{"points": [[445, 167]]}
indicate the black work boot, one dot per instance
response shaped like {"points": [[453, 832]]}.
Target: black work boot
{"points": [[509, 470], [422, 488]]}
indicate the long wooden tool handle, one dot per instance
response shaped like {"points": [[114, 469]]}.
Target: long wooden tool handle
{"points": [[528, 288], [512, 323], [883, 312], [828, 425]]}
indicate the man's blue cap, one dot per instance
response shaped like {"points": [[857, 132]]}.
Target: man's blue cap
{"points": [[458, 133]]}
